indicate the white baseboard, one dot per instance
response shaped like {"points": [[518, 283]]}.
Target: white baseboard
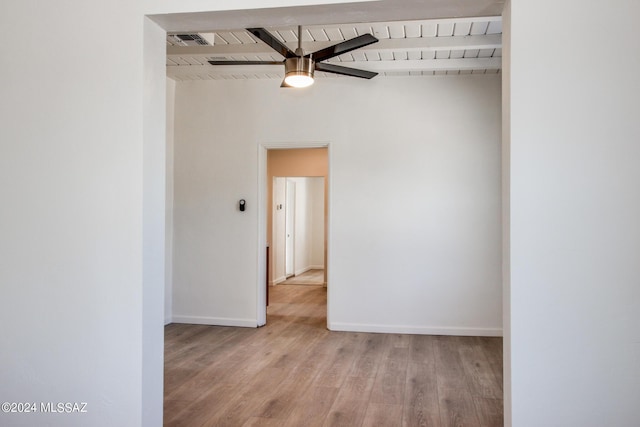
{"points": [[278, 280], [316, 267], [167, 320], [416, 330], [215, 321]]}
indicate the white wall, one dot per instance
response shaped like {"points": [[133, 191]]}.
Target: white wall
{"points": [[168, 277], [302, 222], [316, 258], [278, 245], [71, 216], [81, 129], [575, 210], [506, 211], [309, 234], [153, 222], [414, 205]]}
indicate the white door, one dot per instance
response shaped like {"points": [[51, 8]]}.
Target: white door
{"points": [[290, 209]]}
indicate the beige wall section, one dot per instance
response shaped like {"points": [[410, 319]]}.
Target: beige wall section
{"points": [[297, 162]]}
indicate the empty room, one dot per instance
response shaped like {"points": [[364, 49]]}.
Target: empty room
{"points": [[407, 330], [480, 239]]}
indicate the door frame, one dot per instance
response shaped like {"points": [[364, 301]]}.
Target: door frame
{"points": [[261, 291], [289, 228]]}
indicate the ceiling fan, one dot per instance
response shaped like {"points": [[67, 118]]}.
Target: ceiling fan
{"points": [[298, 67]]}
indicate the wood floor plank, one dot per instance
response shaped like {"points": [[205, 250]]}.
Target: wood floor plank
{"points": [[313, 407], [367, 362], [422, 349], [262, 422], [400, 340], [389, 386], [350, 405], [457, 408], [382, 415], [480, 376], [314, 277], [175, 377], [173, 410], [490, 412], [492, 347], [249, 399], [420, 417], [279, 405], [294, 372], [449, 368], [282, 401], [237, 369], [334, 374], [296, 350], [421, 406], [199, 411]]}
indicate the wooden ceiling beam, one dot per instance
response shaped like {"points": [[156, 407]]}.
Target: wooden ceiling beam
{"points": [[377, 66], [423, 44]]}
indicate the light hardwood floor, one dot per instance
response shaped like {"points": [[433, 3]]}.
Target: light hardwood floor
{"points": [[294, 372], [313, 277]]}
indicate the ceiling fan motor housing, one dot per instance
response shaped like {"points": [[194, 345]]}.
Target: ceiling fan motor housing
{"points": [[298, 71], [298, 66]]}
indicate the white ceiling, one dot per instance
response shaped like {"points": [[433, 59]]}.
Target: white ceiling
{"points": [[451, 37]]}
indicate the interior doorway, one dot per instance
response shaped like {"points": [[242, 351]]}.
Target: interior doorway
{"points": [[293, 172], [297, 244]]}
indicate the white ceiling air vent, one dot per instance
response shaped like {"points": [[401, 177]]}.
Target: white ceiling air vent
{"points": [[187, 40]]}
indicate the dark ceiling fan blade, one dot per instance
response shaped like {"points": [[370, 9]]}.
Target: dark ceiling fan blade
{"points": [[337, 69], [245, 62], [274, 43], [344, 47]]}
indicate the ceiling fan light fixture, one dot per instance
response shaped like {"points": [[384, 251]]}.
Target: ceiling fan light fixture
{"points": [[298, 71], [298, 67]]}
